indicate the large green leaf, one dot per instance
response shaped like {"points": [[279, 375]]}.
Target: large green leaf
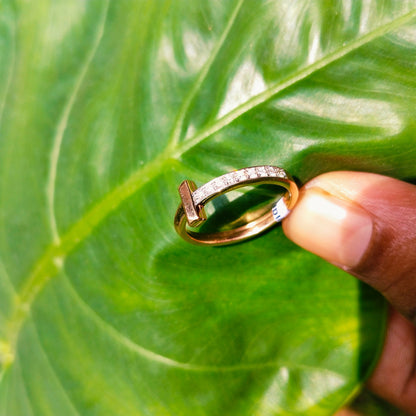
{"points": [[105, 107]]}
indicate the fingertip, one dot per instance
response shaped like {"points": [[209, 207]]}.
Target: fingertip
{"points": [[337, 230]]}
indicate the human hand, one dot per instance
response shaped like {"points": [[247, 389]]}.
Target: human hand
{"points": [[366, 224]]}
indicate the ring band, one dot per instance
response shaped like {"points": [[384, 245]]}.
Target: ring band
{"points": [[191, 209]]}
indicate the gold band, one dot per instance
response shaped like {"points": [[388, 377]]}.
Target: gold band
{"points": [[191, 210]]}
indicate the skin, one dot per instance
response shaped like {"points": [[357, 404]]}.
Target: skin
{"points": [[366, 225]]}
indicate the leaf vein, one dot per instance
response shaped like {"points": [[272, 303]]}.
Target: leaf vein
{"points": [[9, 75], [63, 123], [177, 129], [24, 387], [293, 79], [161, 359], [57, 378]]}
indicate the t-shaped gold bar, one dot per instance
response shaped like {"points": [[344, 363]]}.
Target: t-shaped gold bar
{"points": [[195, 215]]}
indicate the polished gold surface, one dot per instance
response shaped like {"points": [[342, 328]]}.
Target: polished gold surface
{"points": [[191, 214]]}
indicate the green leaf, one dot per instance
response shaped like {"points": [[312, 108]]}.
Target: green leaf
{"points": [[106, 106]]}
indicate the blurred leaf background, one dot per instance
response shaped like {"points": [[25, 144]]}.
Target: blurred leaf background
{"points": [[105, 107]]}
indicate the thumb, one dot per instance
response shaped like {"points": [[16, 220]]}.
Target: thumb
{"points": [[365, 224]]}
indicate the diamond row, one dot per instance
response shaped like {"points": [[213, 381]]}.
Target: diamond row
{"points": [[223, 182]]}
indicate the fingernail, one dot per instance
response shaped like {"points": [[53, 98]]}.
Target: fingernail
{"points": [[337, 230]]}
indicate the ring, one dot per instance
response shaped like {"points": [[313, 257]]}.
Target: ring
{"points": [[191, 212]]}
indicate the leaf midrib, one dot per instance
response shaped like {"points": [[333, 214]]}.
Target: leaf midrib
{"points": [[53, 258]]}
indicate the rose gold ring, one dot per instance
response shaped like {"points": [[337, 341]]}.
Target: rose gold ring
{"points": [[191, 212]]}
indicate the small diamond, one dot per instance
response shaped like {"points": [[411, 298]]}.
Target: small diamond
{"points": [[196, 194], [262, 171], [276, 171], [208, 188], [252, 173], [218, 184]]}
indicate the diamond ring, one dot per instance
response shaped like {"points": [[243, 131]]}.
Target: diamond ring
{"points": [[191, 213]]}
